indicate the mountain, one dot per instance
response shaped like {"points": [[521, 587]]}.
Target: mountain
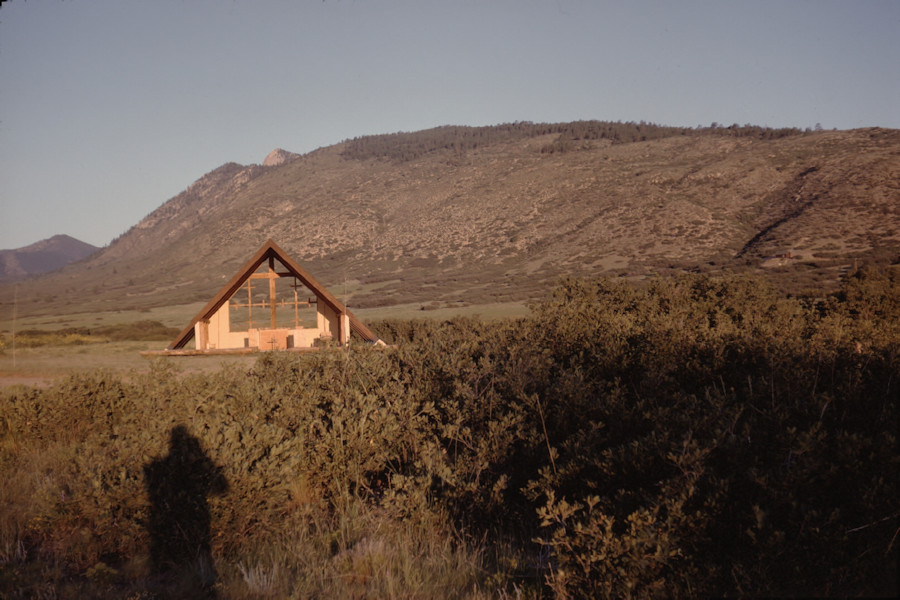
{"points": [[42, 257], [279, 157], [494, 214]]}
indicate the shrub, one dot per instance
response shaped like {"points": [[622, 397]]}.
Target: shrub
{"points": [[689, 437]]}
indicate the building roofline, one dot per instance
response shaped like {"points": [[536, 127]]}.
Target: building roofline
{"points": [[270, 250]]}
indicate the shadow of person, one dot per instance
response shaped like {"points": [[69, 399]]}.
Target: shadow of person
{"points": [[179, 521]]}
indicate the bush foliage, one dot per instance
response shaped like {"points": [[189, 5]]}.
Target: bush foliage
{"points": [[404, 147], [690, 437]]}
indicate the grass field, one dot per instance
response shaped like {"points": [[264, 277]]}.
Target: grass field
{"points": [[414, 311], [173, 316], [41, 365]]}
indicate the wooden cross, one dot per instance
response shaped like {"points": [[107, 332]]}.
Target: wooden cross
{"points": [[271, 275]]}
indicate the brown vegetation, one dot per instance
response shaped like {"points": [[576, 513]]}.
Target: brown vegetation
{"points": [[692, 437]]}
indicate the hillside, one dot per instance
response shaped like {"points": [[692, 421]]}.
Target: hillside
{"points": [[42, 257], [497, 214]]}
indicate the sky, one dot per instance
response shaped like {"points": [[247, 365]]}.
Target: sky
{"points": [[108, 108]]}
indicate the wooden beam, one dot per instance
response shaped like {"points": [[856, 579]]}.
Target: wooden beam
{"points": [[272, 277], [203, 342]]}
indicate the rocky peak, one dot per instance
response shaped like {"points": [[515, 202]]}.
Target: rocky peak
{"points": [[278, 157]]}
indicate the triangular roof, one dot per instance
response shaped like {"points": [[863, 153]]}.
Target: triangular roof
{"points": [[271, 250]]}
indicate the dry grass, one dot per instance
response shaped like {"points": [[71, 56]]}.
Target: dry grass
{"points": [[43, 364], [173, 316]]}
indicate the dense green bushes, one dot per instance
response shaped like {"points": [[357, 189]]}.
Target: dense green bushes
{"points": [[691, 437]]}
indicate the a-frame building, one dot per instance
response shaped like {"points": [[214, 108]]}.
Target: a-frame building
{"points": [[212, 329]]}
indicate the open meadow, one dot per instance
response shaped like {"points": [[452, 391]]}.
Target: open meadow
{"points": [[50, 347], [686, 437]]}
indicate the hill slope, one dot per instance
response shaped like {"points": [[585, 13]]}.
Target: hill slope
{"points": [[43, 257], [497, 214]]}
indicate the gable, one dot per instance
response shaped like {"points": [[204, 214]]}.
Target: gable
{"points": [[271, 252]]}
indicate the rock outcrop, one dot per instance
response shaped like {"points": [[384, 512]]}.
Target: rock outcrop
{"points": [[278, 157]]}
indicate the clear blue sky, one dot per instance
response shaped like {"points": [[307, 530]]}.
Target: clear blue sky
{"points": [[110, 107]]}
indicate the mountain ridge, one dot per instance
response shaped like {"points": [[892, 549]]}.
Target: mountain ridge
{"points": [[42, 256], [499, 214]]}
